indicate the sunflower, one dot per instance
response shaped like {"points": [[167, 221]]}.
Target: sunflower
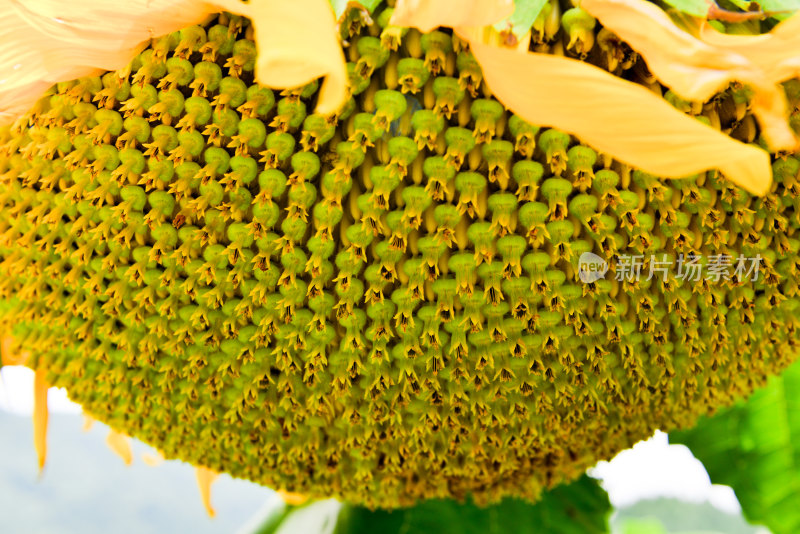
{"points": [[340, 253]]}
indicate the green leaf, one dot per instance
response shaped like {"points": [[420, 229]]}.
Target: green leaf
{"points": [[340, 6], [578, 508], [643, 526], [743, 5], [317, 517], [779, 5], [699, 8], [782, 9], [754, 447], [274, 520], [521, 20]]}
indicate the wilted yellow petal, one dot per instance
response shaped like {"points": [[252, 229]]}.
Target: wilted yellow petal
{"points": [[47, 41], [693, 69], [7, 357], [40, 415], [120, 444], [696, 69], [297, 43], [294, 499], [427, 15], [205, 477], [617, 117], [776, 53]]}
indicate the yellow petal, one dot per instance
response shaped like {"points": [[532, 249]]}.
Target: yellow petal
{"points": [[40, 415], [120, 444], [697, 68], [427, 15], [617, 117], [297, 43], [7, 357], [88, 422], [294, 499], [776, 53], [153, 460], [771, 109], [693, 69], [47, 41], [205, 477]]}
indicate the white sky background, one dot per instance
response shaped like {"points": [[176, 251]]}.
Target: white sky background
{"points": [[654, 468], [16, 393], [651, 469]]}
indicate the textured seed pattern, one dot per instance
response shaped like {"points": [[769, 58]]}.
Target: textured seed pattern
{"points": [[382, 305]]}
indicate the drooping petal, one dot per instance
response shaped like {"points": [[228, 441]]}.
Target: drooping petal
{"points": [[617, 117], [697, 68], [120, 444], [205, 477], [297, 43], [427, 15], [40, 415]]}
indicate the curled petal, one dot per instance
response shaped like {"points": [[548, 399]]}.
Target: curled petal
{"points": [[427, 15], [618, 117], [776, 53], [693, 69], [297, 43], [697, 68], [120, 444]]}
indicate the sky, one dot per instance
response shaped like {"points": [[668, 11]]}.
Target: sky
{"points": [[16, 393], [651, 469]]}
